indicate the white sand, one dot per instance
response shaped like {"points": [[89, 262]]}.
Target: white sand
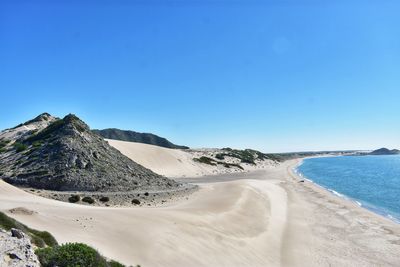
{"points": [[176, 162], [259, 219], [164, 161]]}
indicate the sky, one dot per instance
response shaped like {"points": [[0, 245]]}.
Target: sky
{"points": [[276, 76]]}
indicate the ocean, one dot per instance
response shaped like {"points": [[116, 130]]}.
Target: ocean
{"points": [[371, 181]]}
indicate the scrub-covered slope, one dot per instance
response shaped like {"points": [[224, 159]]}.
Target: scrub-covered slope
{"points": [[65, 155]]}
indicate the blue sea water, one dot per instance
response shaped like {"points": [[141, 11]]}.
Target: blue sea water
{"points": [[372, 181]]}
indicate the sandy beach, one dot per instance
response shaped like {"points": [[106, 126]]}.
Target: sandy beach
{"points": [[262, 218]]}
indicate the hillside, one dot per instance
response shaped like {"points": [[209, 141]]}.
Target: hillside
{"points": [[64, 155], [131, 136], [385, 151]]}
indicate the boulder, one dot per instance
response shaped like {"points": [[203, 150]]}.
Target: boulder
{"points": [[16, 250], [17, 233]]}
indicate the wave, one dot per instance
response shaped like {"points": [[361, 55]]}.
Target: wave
{"points": [[377, 210]]}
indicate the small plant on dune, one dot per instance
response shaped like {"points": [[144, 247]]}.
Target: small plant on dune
{"points": [[104, 199], [88, 200], [220, 156], [136, 201], [205, 160], [74, 198]]}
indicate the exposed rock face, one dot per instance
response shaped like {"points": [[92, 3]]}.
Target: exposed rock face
{"points": [[131, 136], [16, 250], [65, 155]]}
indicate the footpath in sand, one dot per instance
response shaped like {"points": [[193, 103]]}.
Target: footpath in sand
{"points": [[262, 218]]}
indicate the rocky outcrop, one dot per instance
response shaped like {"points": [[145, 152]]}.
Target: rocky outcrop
{"points": [[385, 151], [16, 250], [131, 136], [65, 155], [28, 128]]}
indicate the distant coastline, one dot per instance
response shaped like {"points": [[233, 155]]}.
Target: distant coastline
{"points": [[379, 211]]}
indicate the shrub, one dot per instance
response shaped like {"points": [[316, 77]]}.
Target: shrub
{"points": [[70, 255], [104, 199], [228, 165], [46, 133], [39, 238], [37, 144], [89, 200], [136, 201], [3, 142], [74, 198], [43, 238], [116, 264], [220, 156], [205, 160], [20, 147], [73, 255]]}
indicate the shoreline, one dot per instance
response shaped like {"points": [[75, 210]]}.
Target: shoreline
{"points": [[264, 218], [358, 202]]}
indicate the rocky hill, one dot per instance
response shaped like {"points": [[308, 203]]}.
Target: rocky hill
{"points": [[131, 136], [385, 151], [65, 155], [28, 128]]}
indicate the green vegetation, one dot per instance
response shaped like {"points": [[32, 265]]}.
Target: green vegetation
{"points": [[74, 198], [37, 119], [20, 147], [245, 156], [206, 160], [39, 238], [249, 155], [88, 200], [228, 165], [213, 162], [4, 143], [136, 201], [53, 127], [50, 254], [131, 136], [104, 199], [37, 144], [73, 255], [46, 133], [117, 264]]}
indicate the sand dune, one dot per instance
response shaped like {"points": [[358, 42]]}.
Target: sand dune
{"points": [[164, 161], [232, 223], [176, 162], [272, 220]]}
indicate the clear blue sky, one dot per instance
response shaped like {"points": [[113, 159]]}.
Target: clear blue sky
{"points": [[271, 75]]}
